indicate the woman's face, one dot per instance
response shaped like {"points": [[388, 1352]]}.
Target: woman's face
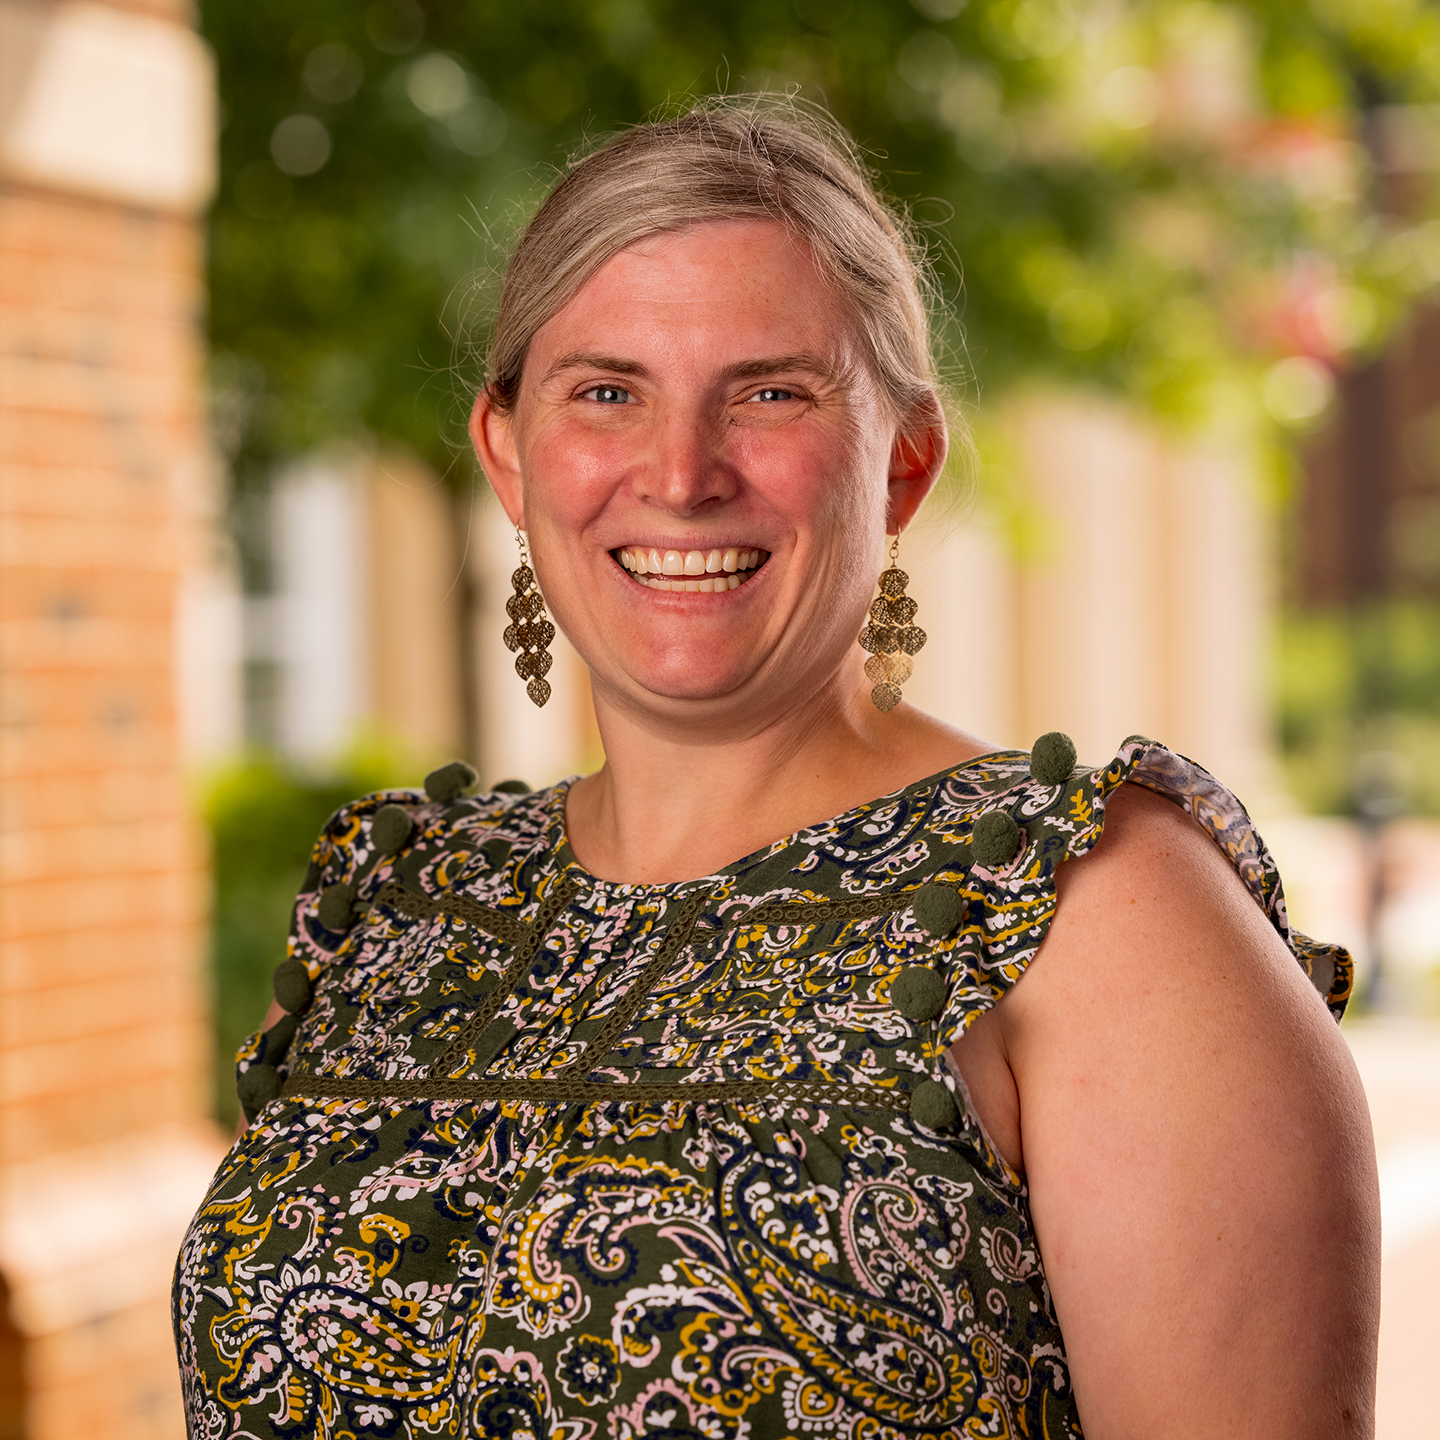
{"points": [[702, 409]]}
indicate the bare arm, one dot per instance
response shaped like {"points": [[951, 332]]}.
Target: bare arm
{"points": [[1198, 1150]]}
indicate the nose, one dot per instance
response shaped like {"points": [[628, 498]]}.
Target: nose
{"points": [[686, 468]]}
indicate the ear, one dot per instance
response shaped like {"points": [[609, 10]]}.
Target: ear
{"points": [[916, 459], [492, 433]]}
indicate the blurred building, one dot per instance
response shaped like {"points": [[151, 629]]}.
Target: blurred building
{"points": [[106, 143], [1107, 579], [1368, 560], [374, 603], [1370, 505], [1364, 573]]}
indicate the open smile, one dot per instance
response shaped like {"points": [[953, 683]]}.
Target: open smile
{"points": [[697, 571]]}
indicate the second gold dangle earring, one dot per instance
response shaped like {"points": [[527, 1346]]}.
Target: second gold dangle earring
{"points": [[529, 632], [891, 637]]}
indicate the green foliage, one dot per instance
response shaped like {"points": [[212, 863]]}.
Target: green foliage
{"points": [[1156, 197], [1356, 686], [263, 822]]}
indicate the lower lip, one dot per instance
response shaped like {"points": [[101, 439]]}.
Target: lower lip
{"points": [[717, 585]]}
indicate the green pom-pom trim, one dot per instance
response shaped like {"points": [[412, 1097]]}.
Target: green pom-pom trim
{"points": [[938, 909], [449, 781], [995, 839], [933, 1106], [277, 1040], [291, 984], [511, 787], [918, 993], [257, 1087], [336, 910], [1052, 758], [391, 828]]}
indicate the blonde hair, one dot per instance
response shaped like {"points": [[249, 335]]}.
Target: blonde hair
{"points": [[750, 156]]}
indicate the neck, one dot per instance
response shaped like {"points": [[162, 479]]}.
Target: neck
{"points": [[676, 800]]}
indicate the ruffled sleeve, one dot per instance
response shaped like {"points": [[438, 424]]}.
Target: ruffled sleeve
{"points": [[338, 885], [1011, 901], [1226, 821], [341, 878]]}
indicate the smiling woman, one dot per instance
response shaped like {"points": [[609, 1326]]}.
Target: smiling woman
{"points": [[813, 1068], [708, 390]]}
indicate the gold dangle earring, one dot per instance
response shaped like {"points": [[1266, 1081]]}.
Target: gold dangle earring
{"points": [[530, 632], [890, 637]]}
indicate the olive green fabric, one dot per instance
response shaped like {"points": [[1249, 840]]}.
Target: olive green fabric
{"points": [[569, 1158]]}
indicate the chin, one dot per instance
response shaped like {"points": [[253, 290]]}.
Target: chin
{"points": [[682, 675], [668, 685]]}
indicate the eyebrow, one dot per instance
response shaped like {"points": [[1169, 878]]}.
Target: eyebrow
{"points": [[586, 360], [742, 370], [776, 364]]}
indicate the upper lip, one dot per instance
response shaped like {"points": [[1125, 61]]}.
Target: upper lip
{"points": [[683, 545]]}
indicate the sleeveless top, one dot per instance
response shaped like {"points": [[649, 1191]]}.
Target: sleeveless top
{"points": [[559, 1157]]}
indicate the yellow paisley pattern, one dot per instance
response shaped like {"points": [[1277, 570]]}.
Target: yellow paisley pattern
{"points": [[567, 1158]]}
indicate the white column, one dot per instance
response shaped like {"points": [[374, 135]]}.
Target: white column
{"points": [[962, 578], [319, 614], [96, 101]]}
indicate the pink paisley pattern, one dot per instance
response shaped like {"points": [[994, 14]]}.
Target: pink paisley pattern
{"points": [[566, 1158]]}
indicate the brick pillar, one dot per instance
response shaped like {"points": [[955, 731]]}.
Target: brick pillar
{"points": [[104, 1147]]}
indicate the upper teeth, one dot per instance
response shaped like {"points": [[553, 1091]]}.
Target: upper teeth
{"points": [[720, 564]]}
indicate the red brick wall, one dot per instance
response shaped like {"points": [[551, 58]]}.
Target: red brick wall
{"points": [[102, 1023], [99, 434]]}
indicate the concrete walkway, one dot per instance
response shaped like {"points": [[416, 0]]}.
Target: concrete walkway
{"points": [[1399, 1062]]}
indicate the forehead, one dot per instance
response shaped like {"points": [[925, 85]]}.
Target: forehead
{"points": [[748, 282]]}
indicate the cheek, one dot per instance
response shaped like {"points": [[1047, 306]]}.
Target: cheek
{"points": [[566, 479], [837, 493], [856, 504], [829, 466]]}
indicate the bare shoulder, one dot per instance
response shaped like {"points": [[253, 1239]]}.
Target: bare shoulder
{"points": [[1157, 909], [1197, 1149]]}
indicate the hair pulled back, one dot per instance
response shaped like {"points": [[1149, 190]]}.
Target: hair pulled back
{"points": [[725, 158]]}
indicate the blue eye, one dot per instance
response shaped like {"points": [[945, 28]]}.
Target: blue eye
{"points": [[773, 394], [607, 395]]}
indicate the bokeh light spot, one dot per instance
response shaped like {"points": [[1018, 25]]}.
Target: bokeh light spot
{"points": [[332, 73], [437, 85], [1297, 390], [1129, 97], [1080, 319], [300, 144]]}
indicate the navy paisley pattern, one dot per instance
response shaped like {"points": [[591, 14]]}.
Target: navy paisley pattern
{"points": [[557, 1157]]}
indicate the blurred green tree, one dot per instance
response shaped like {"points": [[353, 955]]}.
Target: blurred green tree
{"points": [[1163, 198]]}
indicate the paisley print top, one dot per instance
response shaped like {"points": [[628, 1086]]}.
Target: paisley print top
{"points": [[558, 1157]]}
